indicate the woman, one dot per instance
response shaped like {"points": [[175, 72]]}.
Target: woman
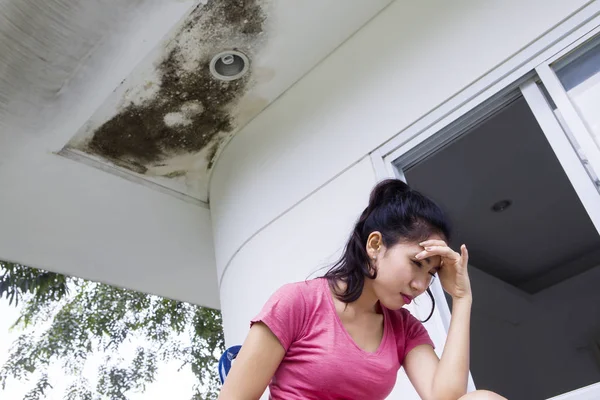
{"points": [[344, 336]]}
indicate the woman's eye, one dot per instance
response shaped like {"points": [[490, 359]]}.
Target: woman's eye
{"points": [[417, 263], [434, 272]]}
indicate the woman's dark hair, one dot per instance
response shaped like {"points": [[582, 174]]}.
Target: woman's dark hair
{"points": [[400, 214]]}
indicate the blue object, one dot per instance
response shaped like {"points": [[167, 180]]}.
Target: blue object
{"points": [[225, 361]]}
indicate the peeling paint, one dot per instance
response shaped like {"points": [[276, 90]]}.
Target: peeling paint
{"points": [[185, 114], [182, 109]]}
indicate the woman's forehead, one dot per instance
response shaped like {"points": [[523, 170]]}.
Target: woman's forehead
{"points": [[410, 247], [415, 245]]}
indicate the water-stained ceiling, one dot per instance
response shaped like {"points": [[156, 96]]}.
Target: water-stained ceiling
{"points": [[165, 124]]}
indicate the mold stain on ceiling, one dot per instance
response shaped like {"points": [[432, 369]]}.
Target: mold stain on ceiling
{"points": [[171, 124]]}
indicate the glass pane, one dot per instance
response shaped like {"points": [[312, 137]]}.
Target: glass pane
{"points": [[580, 75], [574, 143]]}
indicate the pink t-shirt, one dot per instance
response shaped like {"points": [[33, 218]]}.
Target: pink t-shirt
{"points": [[321, 360]]}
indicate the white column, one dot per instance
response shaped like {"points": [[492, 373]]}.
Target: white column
{"points": [[297, 244]]}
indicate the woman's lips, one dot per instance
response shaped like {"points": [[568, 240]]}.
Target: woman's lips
{"points": [[407, 299]]}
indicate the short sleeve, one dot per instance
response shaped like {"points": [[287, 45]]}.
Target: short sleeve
{"points": [[415, 334], [284, 314]]}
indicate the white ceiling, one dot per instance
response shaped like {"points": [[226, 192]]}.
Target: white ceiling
{"points": [[147, 59], [545, 236]]}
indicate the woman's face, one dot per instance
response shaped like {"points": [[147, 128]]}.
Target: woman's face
{"points": [[400, 276]]}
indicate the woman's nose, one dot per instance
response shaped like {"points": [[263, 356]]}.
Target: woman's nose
{"points": [[421, 282], [418, 284]]}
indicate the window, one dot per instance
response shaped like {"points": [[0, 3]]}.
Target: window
{"points": [[579, 74]]}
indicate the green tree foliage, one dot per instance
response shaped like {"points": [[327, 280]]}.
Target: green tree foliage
{"points": [[65, 320], [17, 281]]}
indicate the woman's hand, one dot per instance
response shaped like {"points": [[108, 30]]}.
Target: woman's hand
{"points": [[453, 268]]}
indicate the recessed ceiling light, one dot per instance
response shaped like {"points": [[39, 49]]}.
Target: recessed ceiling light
{"points": [[501, 205], [229, 65]]}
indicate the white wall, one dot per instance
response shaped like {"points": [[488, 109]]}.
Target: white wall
{"points": [[408, 60], [80, 221], [295, 246], [534, 346]]}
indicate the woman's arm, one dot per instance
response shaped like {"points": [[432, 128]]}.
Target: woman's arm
{"points": [[444, 378], [452, 373], [254, 366]]}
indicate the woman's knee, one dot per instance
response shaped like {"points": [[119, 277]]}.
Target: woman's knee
{"points": [[482, 395]]}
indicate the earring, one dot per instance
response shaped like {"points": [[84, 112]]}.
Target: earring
{"points": [[374, 257]]}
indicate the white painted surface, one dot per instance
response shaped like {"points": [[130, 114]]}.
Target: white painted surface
{"points": [[534, 346], [80, 221], [384, 78], [585, 97], [299, 244], [71, 57]]}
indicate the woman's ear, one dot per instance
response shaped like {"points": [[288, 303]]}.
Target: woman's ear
{"points": [[374, 245]]}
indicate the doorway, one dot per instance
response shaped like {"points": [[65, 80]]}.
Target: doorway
{"points": [[534, 251]]}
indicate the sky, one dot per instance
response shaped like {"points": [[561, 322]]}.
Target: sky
{"points": [[170, 384]]}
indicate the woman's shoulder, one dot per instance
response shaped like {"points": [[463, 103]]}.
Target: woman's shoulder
{"points": [[303, 285], [289, 310], [305, 291]]}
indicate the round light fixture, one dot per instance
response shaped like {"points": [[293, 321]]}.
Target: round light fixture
{"points": [[229, 65], [501, 205]]}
